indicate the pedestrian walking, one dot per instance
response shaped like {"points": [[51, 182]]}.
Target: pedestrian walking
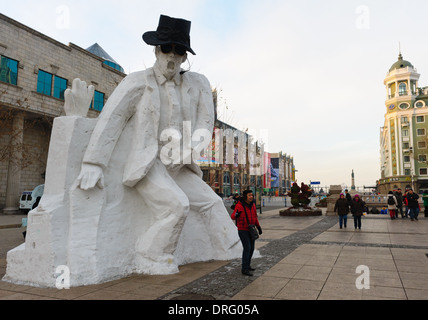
{"points": [[342, 208], [348, 196], [406, 205], [357, 209], [235, 199], [245, 214], [413, 204], [392, 205], [399, 197]]}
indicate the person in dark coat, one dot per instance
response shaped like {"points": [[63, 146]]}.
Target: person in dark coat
{"points": [[413, 204], [357, 209], [399, 197], [348, 196], [342, 208]]}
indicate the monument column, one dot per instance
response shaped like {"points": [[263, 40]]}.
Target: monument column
{"points": [[14, 168], [353, 180]]}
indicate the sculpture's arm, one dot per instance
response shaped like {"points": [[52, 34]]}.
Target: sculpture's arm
{"points": [[116, 113]]}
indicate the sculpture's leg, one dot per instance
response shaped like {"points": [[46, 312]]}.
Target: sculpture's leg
{"points": [[169, 207], [221, 229]]}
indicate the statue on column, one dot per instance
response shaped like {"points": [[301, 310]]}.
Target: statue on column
{"points": [[353, 180], [123, 193]]}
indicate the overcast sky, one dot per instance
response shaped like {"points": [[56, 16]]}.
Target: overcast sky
{"points": [[310, 72]]}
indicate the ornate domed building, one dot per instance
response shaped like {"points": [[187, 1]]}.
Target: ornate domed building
{"points": [[403, 138]]}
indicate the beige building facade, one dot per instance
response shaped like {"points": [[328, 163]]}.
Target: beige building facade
{"points": [[403, 137]]}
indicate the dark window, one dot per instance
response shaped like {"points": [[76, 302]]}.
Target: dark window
{"points": [[98, 101], [8, 70], [44, 83], [60, 85], [114, 65]]}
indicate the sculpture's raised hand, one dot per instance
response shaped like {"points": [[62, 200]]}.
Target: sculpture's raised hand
{"points": [[90, 175], [78, 98]]}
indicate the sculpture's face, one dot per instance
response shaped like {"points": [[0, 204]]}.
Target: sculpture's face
{"points": [[169, 63]]}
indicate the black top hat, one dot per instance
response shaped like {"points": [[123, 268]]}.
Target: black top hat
{"points": [[170, 31]]}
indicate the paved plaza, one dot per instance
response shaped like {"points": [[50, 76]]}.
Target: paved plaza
{"points": [[301, 258]]}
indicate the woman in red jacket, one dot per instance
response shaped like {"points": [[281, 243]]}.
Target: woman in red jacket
{"points": [[243, 209]]}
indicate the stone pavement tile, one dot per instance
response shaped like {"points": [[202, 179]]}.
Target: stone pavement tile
{"points": [[283, 270], [381, 292], [415, 267], [414, 283], [373, 225], [340, 291], [378, 252], [329, 236], [379, 264], [385, 279], [67, 294], [295, 258], [299, 289], [103, 294], [308, 249], [315, 273], [415, 276], [369, 237], [342, 275], [350, 262], [127, 285], [25, 296], [298, 294], [353, 252], [409, 239], [416, 294], [152, 290], [5, 293], [288, 223], [410, 254], [264, 287], [321, 261], [273, 234], [245, 296], [13, 287]]}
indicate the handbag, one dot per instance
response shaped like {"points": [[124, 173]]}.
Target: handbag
{"points": [[254, 234]]}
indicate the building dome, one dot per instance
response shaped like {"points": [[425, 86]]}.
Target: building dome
{"points": [[400, 64]]}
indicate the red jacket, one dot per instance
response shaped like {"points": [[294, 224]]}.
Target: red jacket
{"points": [[241, 221]]}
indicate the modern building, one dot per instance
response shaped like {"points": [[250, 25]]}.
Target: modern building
{"points": [[35, 71], [227, 165], [282, 173], [403, 137]]}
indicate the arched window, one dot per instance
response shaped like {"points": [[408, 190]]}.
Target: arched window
{"points": [[226, 178], [402, 89]]}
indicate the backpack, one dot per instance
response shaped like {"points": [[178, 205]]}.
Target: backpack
{"points": [[391, 200]]}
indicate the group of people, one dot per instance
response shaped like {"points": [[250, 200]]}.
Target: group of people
{"points": [[410, 200], [407, 204], [345, 204]]}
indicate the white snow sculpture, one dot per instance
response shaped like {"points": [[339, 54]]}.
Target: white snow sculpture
{"points": [[119, 198]]}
